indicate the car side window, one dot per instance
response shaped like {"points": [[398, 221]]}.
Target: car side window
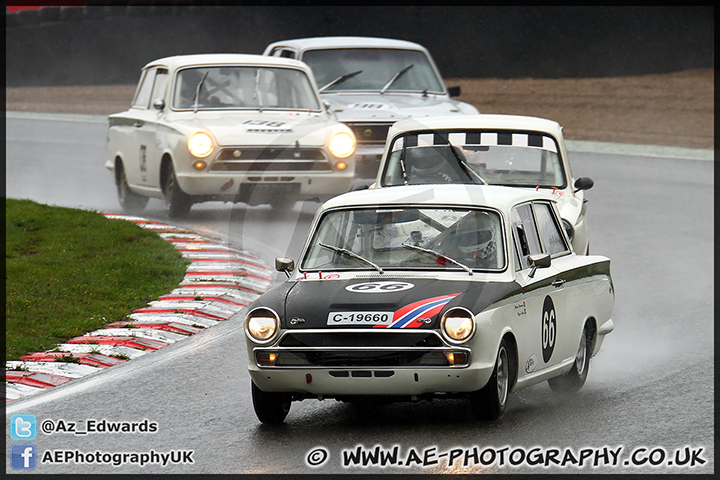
{"points": [[142, 98], [161, 80], [525, 233], [550, 232]]}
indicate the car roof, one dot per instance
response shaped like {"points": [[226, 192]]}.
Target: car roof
{"points": [[346, 42], [179, 61], [494, 196], [480, 121]]}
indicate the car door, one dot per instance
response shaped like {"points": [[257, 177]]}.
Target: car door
{"points": [[566, 282], [142, 148], [542, 313]]}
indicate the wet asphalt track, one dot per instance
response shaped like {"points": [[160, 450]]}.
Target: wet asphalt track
{"points": [[651, 387]]}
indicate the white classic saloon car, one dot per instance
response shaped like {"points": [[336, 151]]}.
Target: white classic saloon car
{"points": [[509, 150], [230, 127], [408, 293], [370, 83]]}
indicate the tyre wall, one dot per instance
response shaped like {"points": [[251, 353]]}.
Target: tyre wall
{"points": [[104, 44]]}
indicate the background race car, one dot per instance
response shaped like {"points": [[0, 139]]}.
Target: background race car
{"points": [[370, 83], [238, 128]]}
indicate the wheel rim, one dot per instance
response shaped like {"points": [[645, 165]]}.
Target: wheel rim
{"points": [[581, 357], [502, 376]]}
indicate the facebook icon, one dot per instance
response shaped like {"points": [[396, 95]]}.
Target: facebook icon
{"points": [[23, 457]]}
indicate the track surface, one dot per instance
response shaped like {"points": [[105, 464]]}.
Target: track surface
{"points": [[651, 386]]}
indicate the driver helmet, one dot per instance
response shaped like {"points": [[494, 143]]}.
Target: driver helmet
{"points": [[476, 238], [426, 162]]}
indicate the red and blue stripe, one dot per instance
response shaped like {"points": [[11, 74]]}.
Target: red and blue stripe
{"points": [[409, 316]]}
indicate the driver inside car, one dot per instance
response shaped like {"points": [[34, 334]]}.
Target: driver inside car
{"points": [[473, 242]]}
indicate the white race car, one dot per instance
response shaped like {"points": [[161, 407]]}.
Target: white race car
{"points": [[240, 128], [412, 292], [370, 83], [509, 150]]}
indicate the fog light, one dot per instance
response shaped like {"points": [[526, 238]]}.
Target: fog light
{"points": [[199, 165], [341, 165], [267, 359], [456, 358]]}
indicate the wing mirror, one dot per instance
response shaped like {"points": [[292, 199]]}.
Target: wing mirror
{"points": [[583, 183], [454, 91], [284, 264], [541, 260], [159, 104]]}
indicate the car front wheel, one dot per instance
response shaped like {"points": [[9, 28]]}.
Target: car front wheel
{"points": [[573, 380], [177, 202], [270, 407], [130, 201], [490, 402]]}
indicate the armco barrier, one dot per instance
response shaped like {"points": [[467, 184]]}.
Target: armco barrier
{"points": [[108, 44], [219, 282]]}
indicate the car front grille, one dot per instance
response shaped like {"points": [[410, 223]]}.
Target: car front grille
{"points": [[370, 133], [331, 349], [270, 159]]}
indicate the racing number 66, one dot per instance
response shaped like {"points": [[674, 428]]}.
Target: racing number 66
{"points": [[548, 328]]}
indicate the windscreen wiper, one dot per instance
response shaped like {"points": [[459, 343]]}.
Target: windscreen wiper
{"points": [[340, 79], [197, 90], [347, 252], [465, 166], [441, 255], [402, 161], [396, 76]]}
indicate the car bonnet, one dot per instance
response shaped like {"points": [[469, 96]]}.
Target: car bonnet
{"points": [[412, 301]]}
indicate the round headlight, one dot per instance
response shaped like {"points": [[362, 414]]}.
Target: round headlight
{"points": [[200, 144], [342, 145], [458, 324], [261, 324], [568, 229]]}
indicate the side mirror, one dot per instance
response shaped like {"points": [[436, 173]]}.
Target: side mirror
{"points": [[583, 183], [159, 104], [541, 260], [284, 264], [453, 91]]}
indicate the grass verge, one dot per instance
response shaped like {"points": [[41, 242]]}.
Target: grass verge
{"points": [[72, 271]]}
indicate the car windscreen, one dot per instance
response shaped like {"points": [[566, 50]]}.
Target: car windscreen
{"points": [[394, 69], [494, 157], [407, 238], [233, 87]]}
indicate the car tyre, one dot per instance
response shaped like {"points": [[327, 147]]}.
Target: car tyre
{"points": [[490, 402], [271, 408], [130, 201], [573, 380], [177, 202]]}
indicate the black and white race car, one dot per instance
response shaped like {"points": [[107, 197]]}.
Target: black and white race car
{"points": [[409, 292]]}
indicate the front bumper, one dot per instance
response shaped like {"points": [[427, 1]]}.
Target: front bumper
{"points": [[231, 185], [350, 363], [334, 382]]}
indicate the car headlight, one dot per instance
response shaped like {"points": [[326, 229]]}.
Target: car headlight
{"points": [[568, 229], [261, 325], [458, 324], [342, 145], [200, 144]]}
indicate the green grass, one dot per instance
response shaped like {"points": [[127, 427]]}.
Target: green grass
{"points": [[72, 271]]}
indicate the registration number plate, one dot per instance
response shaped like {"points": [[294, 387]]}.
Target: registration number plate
{"points": [[360, 318]]}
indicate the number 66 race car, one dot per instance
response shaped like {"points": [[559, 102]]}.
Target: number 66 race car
{"points": [[414, 292]]}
